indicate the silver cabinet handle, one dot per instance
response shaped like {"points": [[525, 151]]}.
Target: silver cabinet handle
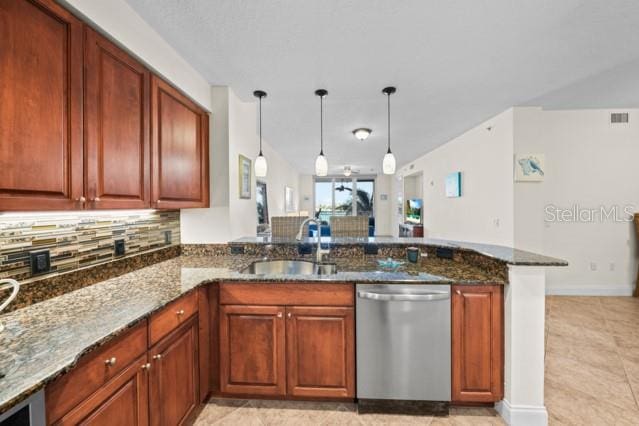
{"points": [[158, 356], [146, 366], [81, 199], [111, 361], [180, 312], [96, 199], [279, 315], [403, 297], [290, 315]]}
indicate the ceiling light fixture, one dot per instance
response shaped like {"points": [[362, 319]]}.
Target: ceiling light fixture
{"points": [[389, 163], [321, 164], [347, 171], [362, 133], [261, 168]]}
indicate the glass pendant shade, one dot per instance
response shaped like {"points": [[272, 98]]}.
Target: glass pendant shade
{"points": [[261, 168], [388, 165], [321, 165]]}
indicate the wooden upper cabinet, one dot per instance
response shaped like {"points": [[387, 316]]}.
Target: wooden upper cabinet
{"points": [[477, 343], [41, 155], [320, 351], [117, 127], [252, 350], [180, 176], [174, 376]]}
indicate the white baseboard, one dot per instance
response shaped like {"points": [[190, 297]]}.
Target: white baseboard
{"points": [[590, 290], [522, 415]]}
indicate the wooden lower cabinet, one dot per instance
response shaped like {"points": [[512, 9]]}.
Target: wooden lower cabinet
{"points": [[133, 380], [271, 346], [122, 401], [174, 376], [252, 350], [320, 351], [477, 343]]}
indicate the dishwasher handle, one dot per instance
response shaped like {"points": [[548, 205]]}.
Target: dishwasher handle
{"points": [[403, 297]]}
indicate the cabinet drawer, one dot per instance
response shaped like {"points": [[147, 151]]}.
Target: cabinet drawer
{"points": [[334, 294], [94, 370], [170, 318]]}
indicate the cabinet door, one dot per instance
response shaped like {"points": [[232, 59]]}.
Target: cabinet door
{"points": [[477, 343], [122, 401], [320, 351], [252, 345], [174, 378], [180, 177], [117, 127], [41, 159]]}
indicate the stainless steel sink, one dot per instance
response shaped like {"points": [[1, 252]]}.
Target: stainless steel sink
{"points": [[289, 267]]}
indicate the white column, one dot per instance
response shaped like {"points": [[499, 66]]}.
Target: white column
{"points": [[523, 402]]}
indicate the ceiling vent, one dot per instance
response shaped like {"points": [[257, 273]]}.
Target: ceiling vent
{"points": [[618, 117]]}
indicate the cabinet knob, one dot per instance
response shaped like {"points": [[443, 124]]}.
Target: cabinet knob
{"points": [[110, 361], [81, 199], [180, 312], [96, 199], [289, 315], [279, 315], [158, 356], [458, 292], [146, 366]]}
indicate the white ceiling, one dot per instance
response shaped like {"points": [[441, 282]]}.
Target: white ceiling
{"points": [[455, 63]]}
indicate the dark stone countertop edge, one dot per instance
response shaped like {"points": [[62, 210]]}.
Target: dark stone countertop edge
{"points": [[508, 255]]}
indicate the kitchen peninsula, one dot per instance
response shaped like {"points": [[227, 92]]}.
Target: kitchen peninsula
{"points": [[45, 340]]}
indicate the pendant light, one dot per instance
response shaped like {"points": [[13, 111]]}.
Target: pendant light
{"points": [[388, 165], [261, 167], [321, 164]]}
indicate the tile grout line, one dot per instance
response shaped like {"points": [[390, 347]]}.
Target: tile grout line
{"points": [[623, 364], [246, 402]]}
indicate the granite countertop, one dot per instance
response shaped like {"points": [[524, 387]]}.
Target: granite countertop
{"points": [[46, 339], [509, 255]]}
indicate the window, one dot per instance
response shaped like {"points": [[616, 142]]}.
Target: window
{"points": [[262, 206], [344, 197]]}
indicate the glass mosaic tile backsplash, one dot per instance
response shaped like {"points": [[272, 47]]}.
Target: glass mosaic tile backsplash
{"points": [[79, 239]]}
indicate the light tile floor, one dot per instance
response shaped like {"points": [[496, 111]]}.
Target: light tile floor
{"points": [[592, 377], [592, 360]]}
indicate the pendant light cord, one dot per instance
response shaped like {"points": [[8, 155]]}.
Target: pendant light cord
{"points": [[389, 133], [260, 126], [321, 125]]}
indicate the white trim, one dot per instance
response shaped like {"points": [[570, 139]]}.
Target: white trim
{"points": [[594, 290], [522, 415]]}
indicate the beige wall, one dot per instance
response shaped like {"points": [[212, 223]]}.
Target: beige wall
{"points": [[484, 212], [234, 131], [589, 163]]}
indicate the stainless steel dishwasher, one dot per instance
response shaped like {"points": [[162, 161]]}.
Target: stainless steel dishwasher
{"points": [[403, 342]]}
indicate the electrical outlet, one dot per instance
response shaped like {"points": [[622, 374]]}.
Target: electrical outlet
{"points": [[40, 262], [168, 236], [496, 223], [593, 266], [119, 247], [237, 249], [612, 266]]}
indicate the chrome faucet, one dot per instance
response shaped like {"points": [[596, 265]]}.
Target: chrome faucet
{"points": [[319, 252]]}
